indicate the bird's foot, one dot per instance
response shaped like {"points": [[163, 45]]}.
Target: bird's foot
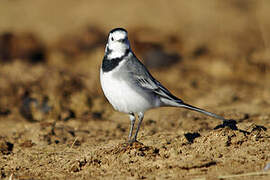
{"points": [[133, 141]]}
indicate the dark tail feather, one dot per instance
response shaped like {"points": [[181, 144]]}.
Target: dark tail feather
{"points": [[179, 103], [187, 106]]}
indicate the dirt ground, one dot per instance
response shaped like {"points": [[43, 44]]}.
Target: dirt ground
{"points": [[55, 122]]}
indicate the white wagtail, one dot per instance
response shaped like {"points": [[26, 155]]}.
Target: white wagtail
{"points": [[129, 86]]}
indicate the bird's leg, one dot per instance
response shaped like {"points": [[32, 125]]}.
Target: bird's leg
{"points": [[132, 122], [140, 117]]}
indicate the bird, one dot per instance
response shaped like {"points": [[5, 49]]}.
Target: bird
{"points": [[129, 86]]}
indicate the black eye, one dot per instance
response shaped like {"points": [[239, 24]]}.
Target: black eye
{"points": [[112, 39]]}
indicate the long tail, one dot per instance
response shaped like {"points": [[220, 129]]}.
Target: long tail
{"points": [[187, 106], [180, 103]]}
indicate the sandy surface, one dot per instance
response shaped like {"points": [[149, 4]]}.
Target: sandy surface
{"points": [[55, 122]]}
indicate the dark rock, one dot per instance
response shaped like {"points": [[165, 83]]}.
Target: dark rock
{"points": [[191, 136]]}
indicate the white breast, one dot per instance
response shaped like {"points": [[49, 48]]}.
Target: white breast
{"points": [[122, 97]]}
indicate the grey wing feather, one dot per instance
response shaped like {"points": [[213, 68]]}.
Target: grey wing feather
{"points": [[146, 81]]}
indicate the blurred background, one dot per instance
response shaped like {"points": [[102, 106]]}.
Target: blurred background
{"points": [[212, 54]]}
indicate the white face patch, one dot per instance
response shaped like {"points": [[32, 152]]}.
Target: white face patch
{"points": [[118, 44], [117, 35]]}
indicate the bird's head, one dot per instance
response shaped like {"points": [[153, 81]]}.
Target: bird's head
{"points": [[118, 43]]}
